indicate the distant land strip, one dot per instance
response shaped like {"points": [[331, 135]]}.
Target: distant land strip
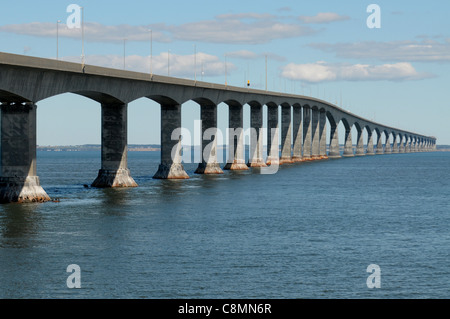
{"points": [[144, 148]]}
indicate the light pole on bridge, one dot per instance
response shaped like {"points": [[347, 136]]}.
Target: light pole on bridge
{"points": [[57, 39]]}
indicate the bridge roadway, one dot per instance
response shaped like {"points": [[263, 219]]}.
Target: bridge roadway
{"points": [[24, 81]]}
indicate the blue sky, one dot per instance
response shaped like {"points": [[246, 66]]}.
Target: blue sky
{"points": [[397, 75]]}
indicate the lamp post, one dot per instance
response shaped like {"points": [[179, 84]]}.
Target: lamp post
{"points": [[151, 53], [124, 44], [226, 70], [195, 63], [266, 72], [57, 39], [168, 62], [82, 37]]}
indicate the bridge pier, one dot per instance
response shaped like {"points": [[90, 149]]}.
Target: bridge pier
{"points": [[379, 145], [395, 148], [286, 141], [348, 146], [171, 166], [209, 164], [323, 135], [387, 145], [370, 143], [315, 135], [360, 143], [236, 158], [256, 139], [334, 151], [18, 181], [307, 138], [273, 147], [114, 171], [297, 133], [401, 146], [407, 145]]}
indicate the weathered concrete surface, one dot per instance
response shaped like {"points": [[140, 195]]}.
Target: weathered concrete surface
{"points": [[395, 148], [379, 150], [334, 142], [236, 159], [315, 135], [370, 143], [273, 146], [360, 144], [286, 131], [22, 190], [387, 145], [307, 134], [120, 177], [209, 164], [297, 127], [348, 146], [171, 167], [401, 146], [323, 135], [18, 182], [114, 171], [256, 138]]}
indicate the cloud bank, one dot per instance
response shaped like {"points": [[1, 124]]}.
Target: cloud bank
{"points": [[327, 72]]}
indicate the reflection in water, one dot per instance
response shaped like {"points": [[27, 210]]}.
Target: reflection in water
{"points": [[114, 199], [19, 223]]}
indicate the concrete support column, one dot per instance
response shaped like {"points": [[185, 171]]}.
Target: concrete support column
{"points": [[306, 133], [171, 152], [18, 180], [297, 126], [407, 144], [401, 147], [348, 146], [236, 158], [114, 171], [273, 147], [395, 145], [256, 139], [323, 135], [334, 151], [209, 164], [360, 143], [413, 145], [286, 131], [370, 143], [387, 146], [315, 134], [379, 144]]}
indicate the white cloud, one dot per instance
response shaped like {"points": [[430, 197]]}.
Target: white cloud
{"points": [[426, 50], [92, 31], [248, 28], [245, 28], [249, 55], [325, 72], [180, 65], [323, 17]]}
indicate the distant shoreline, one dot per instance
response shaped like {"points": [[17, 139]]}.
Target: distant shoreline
{"points": [[142, 148]]}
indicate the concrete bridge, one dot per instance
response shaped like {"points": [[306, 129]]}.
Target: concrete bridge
{"points": [[24, 81]]}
